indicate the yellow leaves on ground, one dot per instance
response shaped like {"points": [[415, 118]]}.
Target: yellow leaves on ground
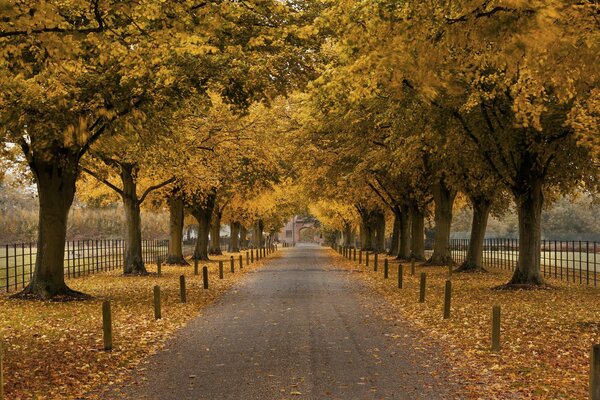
{"points": [[546, 334], [54, 350]]}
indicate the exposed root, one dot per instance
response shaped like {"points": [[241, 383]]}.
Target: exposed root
{"points": [[47, 293]]}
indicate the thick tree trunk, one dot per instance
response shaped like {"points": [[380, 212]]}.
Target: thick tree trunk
{"points": [[529, 200], [243, 237], [133, 262], [395, 245], [348, 235], [404, 233], [379, 229], [417, 242], [56, 188], [444, 199], [474, 258], [175, 256], [215, 234], [203, 212], [258, 234], [234, 244]]}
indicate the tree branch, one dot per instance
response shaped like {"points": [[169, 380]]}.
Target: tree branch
{"points": [[105, 181], [155, 187]]}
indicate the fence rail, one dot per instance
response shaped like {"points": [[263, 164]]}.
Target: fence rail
{"points": [[82, 257], [573, 261]]}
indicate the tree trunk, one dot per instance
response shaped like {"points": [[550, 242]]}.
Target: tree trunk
{"points": [[203, 212], [215, 234], [444, 199], [417, 243], [175, 256], [529, 198], [258, 234], [404, 233], [481, 212], [379, 230], [133, 263], [243, 237], [56, 188], [395, 245], [348, 235], [234, 244]]}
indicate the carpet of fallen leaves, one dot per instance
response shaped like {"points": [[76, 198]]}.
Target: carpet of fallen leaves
{"points": [[546, 335], [55, 350]]}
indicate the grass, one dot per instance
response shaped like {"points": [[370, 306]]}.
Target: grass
{"points": [[546, 334], [55, 350]]}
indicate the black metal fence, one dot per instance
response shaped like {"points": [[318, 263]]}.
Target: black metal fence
{"points": [[573, 261], [82, 257]]}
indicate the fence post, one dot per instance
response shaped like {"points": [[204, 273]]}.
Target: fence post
{"points": [[595, 373], [400, 277], [496, 328], [385, 268], [360, 257], [247, 258], [241, 262], [220, 269], [195, 266], [251, 256], [157, 313], [205, 277], [182, 295], [354, 251], [232, 264], [422, 287], [106, 326], [158, 266], [367, 258], [449, 271], [375, 262], [412, 266], [447, 299]]}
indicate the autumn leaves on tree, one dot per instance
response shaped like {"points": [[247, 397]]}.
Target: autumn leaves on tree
{"points": [[380, 115]]}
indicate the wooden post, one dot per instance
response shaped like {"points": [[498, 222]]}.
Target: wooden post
{"points": [[251, 256], [354, 251], [157, 313], [247, 258], [158, 267], [447, 299], [385, 268], [106, 326], [220, 269], [182, 289], [422, 287], [400, 277], [449, 271], [595, 373], [412, 266], [360, 257], [195, 267], [205, 277], [496, 328], [1, 372], [241, 262], [232, 264], [375, 262], [367, 258]]}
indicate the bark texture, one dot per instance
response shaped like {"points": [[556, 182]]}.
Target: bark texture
{"points": [[481, 211], [404, 233], [395, 244], [417, 243], [202, 212], [257, 237], [215, 233], [234, 242], [133, 263], [443, 197], [176, 212], [56, 189], [243, 237]]}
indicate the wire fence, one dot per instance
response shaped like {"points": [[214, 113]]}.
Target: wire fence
{"points": [[82, 257], [572, 261]]}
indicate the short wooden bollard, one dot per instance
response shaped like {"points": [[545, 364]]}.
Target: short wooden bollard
{"points": [[360, 257], [496, 328], [251, 256], [247, 258], [106, 326], [367, 258], [220, 269], [195, 267], [449, 271], [375, 262], [354, 251], [232, 264], [422, 287], [158, 267], [241, 262], [385, 268], [182, 294], [205, 277], [412, 266], [1, 372], [157, 314], [595, 373], [400, 275], [447, 299]]}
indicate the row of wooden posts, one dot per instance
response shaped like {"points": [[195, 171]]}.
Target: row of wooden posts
{"points": [[251, 255], [351, 253]]}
